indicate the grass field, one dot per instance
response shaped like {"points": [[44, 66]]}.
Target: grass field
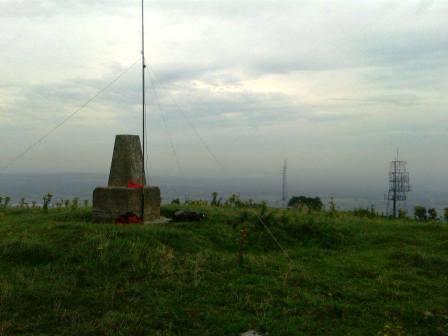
{"points": [[62, 275]]}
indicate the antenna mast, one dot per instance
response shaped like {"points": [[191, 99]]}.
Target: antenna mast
{"points": [[143, 109], [143, 85], [284, 185], [398, 185]]}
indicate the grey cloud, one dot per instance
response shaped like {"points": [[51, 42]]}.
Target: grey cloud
{"points": [[49, 8], [368, 76], [423, 6], [248, 109], [402, 48], [398, 99]]}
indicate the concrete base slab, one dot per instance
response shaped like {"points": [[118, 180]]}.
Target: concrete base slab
{"points": [[109, 203]]}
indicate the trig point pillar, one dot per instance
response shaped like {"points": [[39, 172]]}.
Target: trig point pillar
{"points": [[127, 186]]}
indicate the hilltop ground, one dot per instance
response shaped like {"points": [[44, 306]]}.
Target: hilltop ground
{"points": [[62, 275]]}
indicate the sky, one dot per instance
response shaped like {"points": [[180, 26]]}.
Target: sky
{"points": [[234, 88]]}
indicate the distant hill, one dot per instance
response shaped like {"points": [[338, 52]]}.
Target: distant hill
{"points": [[66, 186]]}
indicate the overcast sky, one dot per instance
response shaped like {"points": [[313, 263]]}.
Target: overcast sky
{"points": [[334, 86]]}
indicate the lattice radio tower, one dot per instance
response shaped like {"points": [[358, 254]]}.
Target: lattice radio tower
{"points": [[398, 186], [285, 185]]}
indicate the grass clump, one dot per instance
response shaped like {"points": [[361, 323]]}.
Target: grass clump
{"points": [[340, 275]]}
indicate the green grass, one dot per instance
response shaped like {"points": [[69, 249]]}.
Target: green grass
{"points": [[62, 275]]}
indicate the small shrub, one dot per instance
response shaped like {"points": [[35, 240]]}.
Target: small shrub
{"points": [[420, 213], [234, 201], [250, 203], [215, 200], [446, 214], [366, 213], [75, 203], [47, 200], [432, 214], [402, 214], [196, 203], [312, 203], [168, 211], [175, 201]]}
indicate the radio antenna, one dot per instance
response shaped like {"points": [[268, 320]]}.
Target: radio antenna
{"points": [[143, 110]]}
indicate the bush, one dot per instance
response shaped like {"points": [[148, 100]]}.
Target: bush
{"points": [[420, 213], [446, 214], [7, 200], [432, 214], [175, 201], [47, 199], [368, 213], [312, 203], [234, 201], [75, 203], [402, 214], [196, 203], [215, 200]]}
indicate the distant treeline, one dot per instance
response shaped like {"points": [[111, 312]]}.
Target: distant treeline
{"points": [[5, 202], [297, 203], [315, 204]]}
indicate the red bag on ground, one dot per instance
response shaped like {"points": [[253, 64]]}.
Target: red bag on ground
{"points": [[129, 218]]}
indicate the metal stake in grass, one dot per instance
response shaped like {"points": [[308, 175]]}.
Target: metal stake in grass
{"points": [[244, 235]]}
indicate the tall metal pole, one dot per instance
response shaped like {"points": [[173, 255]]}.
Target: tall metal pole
{"points": [[394, 177], [143, 85], [398, 185], [143, 110], [284, 185]]}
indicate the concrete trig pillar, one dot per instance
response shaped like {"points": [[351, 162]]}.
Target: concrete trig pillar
{"points": [[127, 162], [121, 196]]}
